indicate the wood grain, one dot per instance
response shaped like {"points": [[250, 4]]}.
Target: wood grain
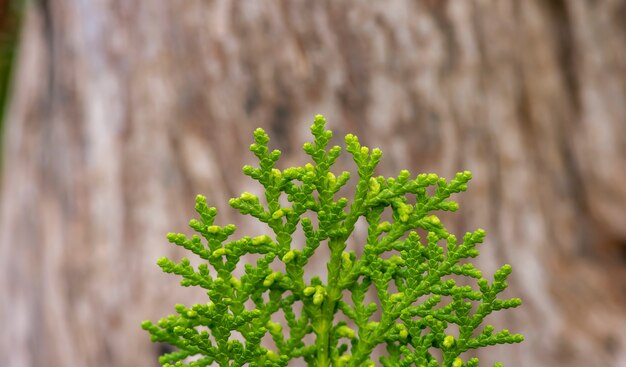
{"points": [[122, 111]]}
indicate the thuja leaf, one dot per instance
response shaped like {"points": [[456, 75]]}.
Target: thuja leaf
{"points": [[226, 332]]}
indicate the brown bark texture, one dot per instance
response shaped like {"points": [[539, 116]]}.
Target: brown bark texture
{"points": [[123, 110]]}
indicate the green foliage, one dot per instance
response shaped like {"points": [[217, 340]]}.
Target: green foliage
{"points": [[225, 332], [11, 13]]}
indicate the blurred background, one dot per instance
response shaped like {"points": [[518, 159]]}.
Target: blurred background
{"points": [[116, 113]]}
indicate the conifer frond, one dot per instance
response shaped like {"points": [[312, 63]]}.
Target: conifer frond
{"points": [[424, 267]]}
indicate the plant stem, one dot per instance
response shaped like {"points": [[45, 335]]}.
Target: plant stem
{"points": [[328, 307]]}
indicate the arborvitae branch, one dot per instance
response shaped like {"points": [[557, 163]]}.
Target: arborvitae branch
{"points": [[424, 268]]}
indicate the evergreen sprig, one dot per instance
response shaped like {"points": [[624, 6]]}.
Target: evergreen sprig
{"points": [[225, 332]]}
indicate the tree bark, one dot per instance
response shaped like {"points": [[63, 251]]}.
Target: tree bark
{"points": [[122, 111]]}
